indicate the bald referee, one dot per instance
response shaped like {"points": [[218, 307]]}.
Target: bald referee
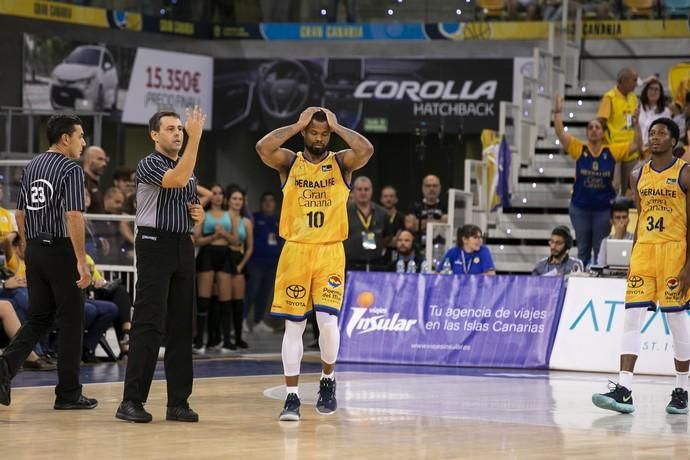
{"points": [[49, 218], [167, 207]]}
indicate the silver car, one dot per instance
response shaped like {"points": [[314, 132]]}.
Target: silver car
{"points": [[86, 80]]}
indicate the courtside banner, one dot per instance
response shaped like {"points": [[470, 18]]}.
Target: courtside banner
{"points": [[449, 320], [591, 329], [165, 80]]}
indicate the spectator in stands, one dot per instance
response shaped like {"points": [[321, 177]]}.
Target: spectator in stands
{"points": [[350, 10], [470, 256], [95, 162], [405, 249], [559, 263], [593, 192], [529, 7], [615, 113], [432, 208], [113, 291], [395, 220], [10, 326], [364, 246], [8, 224], [685, 152], [653, 106], [263, 263], [98, 317], [682, 117], [94, 243], [620, 218], [119, 251], [123, 180]]}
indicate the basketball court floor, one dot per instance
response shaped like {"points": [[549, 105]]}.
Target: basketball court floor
{"points": [[400, 412]]}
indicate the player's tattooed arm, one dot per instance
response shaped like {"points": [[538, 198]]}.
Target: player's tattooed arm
{"points": [[360, 148], [269, 147]]}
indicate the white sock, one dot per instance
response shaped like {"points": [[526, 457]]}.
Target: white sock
{"points": [[625, 379], [294, 390], [332, 375], [682, 380]]}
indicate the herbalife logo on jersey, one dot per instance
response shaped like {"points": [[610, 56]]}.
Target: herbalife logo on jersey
{"points": [[366, 318]]}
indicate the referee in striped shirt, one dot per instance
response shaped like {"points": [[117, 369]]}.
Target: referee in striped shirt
{"points": [[167, 208], [50, 220]]}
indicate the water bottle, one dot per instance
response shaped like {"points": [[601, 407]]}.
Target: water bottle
{"points": [[425, 267], [447, 270], [412, 266], [400, 266]]}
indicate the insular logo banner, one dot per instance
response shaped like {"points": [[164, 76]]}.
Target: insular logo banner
{"points": [[368, 318]]}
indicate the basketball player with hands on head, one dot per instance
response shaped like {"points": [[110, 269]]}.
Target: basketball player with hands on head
{"points": [[659, 274], [313, 222]]}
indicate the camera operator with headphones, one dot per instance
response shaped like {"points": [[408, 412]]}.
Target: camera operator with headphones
{"points": [[559, 263]]}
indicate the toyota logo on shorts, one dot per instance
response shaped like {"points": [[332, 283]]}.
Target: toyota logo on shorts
{"points": [[635, 282], [295, 291]]}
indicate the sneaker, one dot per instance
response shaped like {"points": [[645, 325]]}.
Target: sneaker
{"points": [[199, 351], [81, 403], [326, 405], [290, 412], [133, 411], [39, 365], [619, 399], [262, 327], [679, 402], [182, 413]]}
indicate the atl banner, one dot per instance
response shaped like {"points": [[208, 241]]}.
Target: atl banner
{"points": [[500, 321], [396, 95]]}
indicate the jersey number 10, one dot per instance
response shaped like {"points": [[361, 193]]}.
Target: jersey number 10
{"points": [[315, 219]]}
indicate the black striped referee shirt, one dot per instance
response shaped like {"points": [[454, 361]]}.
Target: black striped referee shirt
{"points": [[51, 185], [163, 208]]}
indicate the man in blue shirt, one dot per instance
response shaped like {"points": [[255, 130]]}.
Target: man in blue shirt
{"points": [[470, 256]]}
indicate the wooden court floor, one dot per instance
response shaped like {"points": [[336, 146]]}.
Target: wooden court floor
{"points": [[382, 415]]}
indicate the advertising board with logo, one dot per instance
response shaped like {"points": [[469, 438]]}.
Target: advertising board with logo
{"points": [[395, 95], [502, 321], [591, 329]]}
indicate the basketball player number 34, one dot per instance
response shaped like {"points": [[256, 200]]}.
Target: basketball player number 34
{"points": [[651, 224]]}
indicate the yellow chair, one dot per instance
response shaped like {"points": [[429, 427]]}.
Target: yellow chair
{"points": [[491, 8]]}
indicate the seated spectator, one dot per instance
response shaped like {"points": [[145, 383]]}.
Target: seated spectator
{"points": [[13, 284], [404, 246], [684, 152], [123, 180], [620, 218], [119, 250], [113, 291], [681, 115], [10, 326], [559, 263], [470, 256], [593, 191], [395, 221], [95, 161], [432, 208], [98, 317], [653, 106]]}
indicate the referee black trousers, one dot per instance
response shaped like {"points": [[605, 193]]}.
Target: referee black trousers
{"points": [[51, 277], [163, 307]]}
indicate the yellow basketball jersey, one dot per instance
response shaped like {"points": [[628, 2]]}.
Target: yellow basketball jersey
{"points": [[662, 204], [314, 206]]}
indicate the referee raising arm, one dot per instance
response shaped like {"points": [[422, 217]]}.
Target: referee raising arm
{"points": [[49, 218], [167, 207]]}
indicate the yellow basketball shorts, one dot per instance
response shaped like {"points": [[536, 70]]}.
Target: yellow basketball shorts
{"points": [[309, 277], [653, 277]]}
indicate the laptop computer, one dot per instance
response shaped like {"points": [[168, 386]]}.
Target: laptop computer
{"points": [[618, 253]]}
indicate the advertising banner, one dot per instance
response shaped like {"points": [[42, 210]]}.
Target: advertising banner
{"points": [[591, 329], [449, 320], [394, 95], [71, 14], [165, 80]]}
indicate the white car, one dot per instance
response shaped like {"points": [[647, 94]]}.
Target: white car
{"points": [[86, 80]]}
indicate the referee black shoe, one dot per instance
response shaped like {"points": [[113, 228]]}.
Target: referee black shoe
{"points": [[181, 413], [81, 403], [133, 411], [4, 383]]}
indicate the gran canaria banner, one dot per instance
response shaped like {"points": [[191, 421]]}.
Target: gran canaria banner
{"points": [[72, 14]]}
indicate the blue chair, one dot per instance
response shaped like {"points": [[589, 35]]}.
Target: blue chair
{"points": [[677, 8]]}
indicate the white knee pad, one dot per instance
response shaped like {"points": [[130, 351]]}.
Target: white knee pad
{"points": [[632, 337], [329, 338], [293, 348], [679, 323]]}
